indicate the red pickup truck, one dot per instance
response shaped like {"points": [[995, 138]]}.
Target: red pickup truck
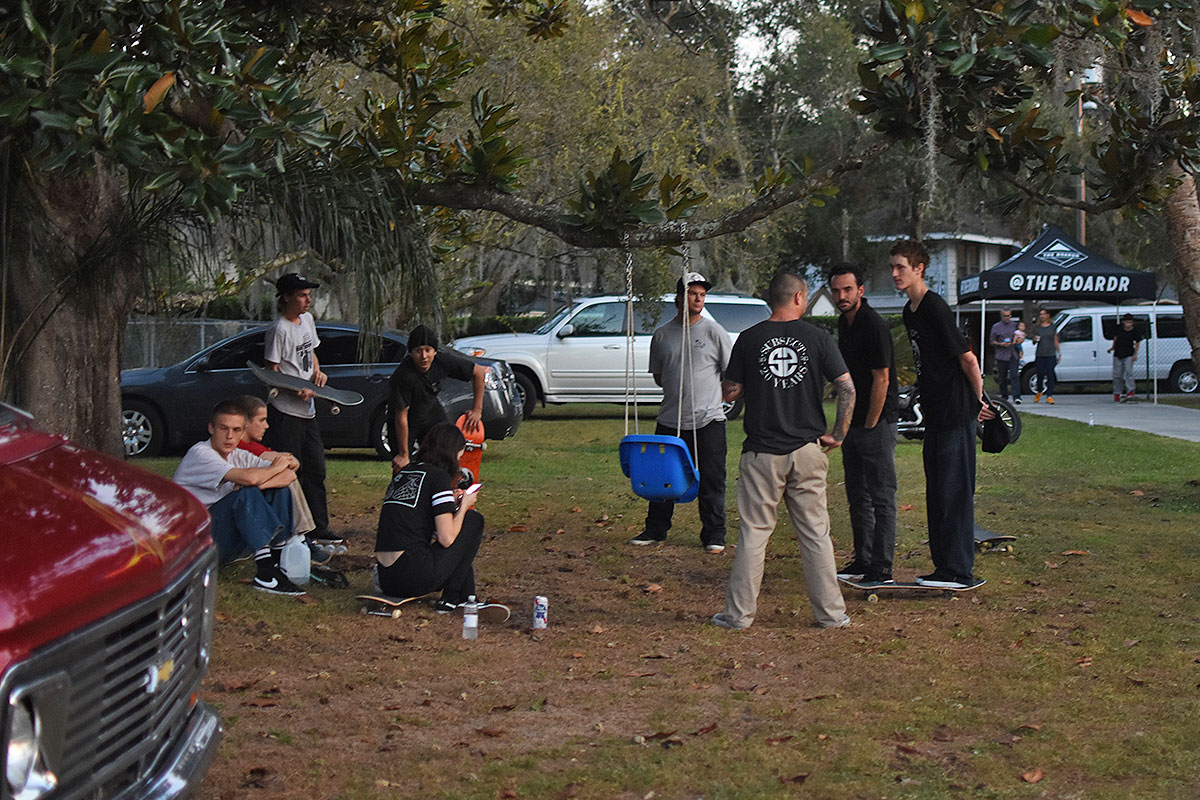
{"points": [[107, 585]]}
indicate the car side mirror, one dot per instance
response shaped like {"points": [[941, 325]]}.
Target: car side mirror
{"points": [[565, 331], [201, 365]]}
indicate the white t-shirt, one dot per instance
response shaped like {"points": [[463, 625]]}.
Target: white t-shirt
{"points": [[291, 346], [202, 471], [710, 355]]}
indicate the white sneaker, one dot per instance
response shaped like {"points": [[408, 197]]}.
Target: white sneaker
{"points": [[714, 548], [722, 620]]}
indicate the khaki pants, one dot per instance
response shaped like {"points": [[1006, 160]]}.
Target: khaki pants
{"points": [[798, 478], [302, 518]]}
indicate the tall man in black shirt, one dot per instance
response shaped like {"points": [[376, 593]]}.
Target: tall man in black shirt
{"points": [[413, 402], [780, 366], [869, 452], [951, 391]]}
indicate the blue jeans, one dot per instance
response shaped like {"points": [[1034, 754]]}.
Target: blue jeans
{"points": [[710, 440], [1122, 375], [1045, 374], [869, 459], [949, 459], [250, 518]]}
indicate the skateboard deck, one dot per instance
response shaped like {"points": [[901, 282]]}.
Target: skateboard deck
{"points": [[873, 590], [277, 381], [472, 458], [382, 605], [986, 540]]}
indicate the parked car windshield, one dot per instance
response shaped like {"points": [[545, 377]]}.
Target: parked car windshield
{"points": [[737, 317], [558, 317]]}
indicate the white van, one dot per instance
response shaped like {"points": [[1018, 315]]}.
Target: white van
{"points": [[1086, 333], [579, 354]]}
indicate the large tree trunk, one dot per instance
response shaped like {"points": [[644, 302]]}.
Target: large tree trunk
{"points": [[1183, 230], [70, 294]]}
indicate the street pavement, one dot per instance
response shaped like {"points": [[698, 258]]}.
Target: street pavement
{"points": [[1142, 415]]}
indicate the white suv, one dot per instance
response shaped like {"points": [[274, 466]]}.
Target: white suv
{"points": [[1086, 333], [578, 355]]}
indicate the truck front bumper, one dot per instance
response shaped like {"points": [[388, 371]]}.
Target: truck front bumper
{"points": [[183, 771]]}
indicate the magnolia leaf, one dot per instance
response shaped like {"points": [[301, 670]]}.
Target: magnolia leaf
{"points": [[158, 91], [1138, 17]]}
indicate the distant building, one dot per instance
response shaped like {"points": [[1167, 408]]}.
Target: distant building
{"points": [[951, 256], [820, 303]]}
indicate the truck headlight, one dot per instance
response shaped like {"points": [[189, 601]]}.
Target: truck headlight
{"points": [[27, 777], [22, 736], [208, 615], [471, 350]]}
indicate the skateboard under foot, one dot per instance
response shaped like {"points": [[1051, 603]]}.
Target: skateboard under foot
{"points": [[873, 590]]}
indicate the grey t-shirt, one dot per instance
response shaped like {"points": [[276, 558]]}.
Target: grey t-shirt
{"points": [[291, 346], [710, 353], [1045, 343]]}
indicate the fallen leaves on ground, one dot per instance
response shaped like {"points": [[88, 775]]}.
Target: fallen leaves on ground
{"points": [[905, 507], [258, 778], [652, 588], [705, 730], [1076, 552], [801, 778], [780, 739], [1029, 726], [1033, 776], [1084, 661], [518, 528]]}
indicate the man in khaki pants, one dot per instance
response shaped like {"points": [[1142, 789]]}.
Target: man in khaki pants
{"points": [[780, 367]]}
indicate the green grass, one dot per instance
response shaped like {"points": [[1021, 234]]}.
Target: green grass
{"points": [[1096, 655]]}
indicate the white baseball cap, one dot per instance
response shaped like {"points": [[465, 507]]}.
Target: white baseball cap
{"points": [[690, 278]]}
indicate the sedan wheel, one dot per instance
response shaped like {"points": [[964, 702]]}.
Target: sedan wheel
{"points": [[142, 430]]}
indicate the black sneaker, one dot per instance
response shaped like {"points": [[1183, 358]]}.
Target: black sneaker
{"points": [[273, 581], [325, 538], [853, 571], [445, 607], [645, 537], [878, 578]]}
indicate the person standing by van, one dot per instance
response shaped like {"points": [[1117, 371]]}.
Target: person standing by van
{"points": [[1046, 356], [1124, 348]]}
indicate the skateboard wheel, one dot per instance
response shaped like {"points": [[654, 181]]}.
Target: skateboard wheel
{"points": [[335, 410], [272, 393], [396, 613], [872, 598]]}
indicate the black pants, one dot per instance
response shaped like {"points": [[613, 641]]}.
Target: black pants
{"points": [[869, 459], [422, 570], [302, 438], [710, 440], [1009, 372], [949, 457]]}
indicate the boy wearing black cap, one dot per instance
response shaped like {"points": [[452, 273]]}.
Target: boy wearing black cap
{"points": [[291, 348], [414, 388]]}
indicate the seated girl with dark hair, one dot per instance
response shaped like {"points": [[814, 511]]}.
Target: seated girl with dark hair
{"points": [[426, 540]]}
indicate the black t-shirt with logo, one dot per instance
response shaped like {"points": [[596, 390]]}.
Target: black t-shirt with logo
{"points": [[867, 345], [783, 367], [417, 494], [947, 399], [418, 392], [1123, 341]]}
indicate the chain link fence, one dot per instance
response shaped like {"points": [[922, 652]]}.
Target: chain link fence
{"points": [[160, 342]]}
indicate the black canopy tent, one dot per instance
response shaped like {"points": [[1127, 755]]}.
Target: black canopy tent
{"points": [[1056, 267]]}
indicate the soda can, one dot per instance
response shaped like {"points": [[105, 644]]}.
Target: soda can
{"points": [[541, 608]]}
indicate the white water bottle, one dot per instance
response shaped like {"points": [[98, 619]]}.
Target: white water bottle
{"points": [[470, 619], [295, 561]]}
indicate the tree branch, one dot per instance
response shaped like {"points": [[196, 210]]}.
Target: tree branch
{"points": [[454, 194], [1039, 196]]}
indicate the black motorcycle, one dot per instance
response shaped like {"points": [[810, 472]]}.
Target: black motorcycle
{"points": [[911, 422]]}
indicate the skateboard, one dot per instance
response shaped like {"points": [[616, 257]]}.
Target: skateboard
{"points": [[986, 541], [277, 381], [873, 590], [472, 458], [382, 605]]}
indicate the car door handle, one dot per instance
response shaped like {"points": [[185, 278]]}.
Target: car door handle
{"points": [[612, 347]]}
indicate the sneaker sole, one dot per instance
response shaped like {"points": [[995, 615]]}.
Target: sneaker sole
{"points": [[644, 542], [281, 592]]}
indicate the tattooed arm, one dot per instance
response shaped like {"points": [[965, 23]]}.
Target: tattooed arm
{"points": [[845, 409]]}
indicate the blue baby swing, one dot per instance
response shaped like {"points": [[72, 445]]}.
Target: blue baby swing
{"points": [[659, 468]]}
